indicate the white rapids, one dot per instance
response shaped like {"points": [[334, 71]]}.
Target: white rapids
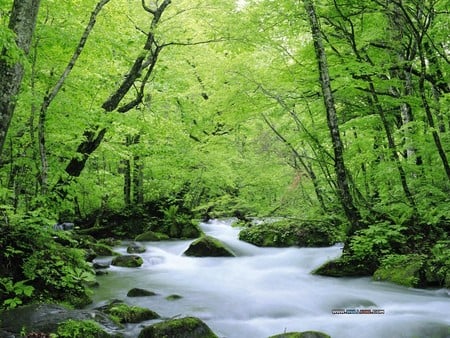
{"points": [[267, 291]]}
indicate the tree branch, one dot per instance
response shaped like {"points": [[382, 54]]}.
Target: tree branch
{"points": [[50, 96]]}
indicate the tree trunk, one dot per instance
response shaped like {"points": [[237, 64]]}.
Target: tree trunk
{"points": [[127, 182], [22, 22], [343, 189]]}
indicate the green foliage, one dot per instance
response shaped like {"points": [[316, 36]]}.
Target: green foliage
{"points": [[439, 264], [60, 274], [76, 328], [378, 240], [290, 233], [14, 293], [35, 265], [401, 269]]}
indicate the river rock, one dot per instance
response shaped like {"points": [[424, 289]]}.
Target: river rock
{"points": [[304, 334], [102, 249], [101, 265], [135, 248], [151, 236], [128, 261], [287, 233], [345, 266], [136, 292], [406, 270], [46, 318], [173, 297], [207, 246], [179, 228], [128, 313], [188, 327]]}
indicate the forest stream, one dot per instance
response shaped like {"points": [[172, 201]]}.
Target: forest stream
{"points": [[267, 291]]}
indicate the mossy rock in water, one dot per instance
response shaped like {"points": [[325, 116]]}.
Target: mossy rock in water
{"points": [[207, 246], [125, 313], [135, 248], [151, 236], [102, 249], [406, 270], [173, 297], [305, 334], [188, 327], [287, 233], [128, 261], [136, 292], [182, 228], [346, 266]]}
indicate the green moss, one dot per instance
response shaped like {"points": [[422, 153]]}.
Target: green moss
{"points": [[151, 236], [287, 233], [128, 261], [80, 328], [207, 246], [137, 292], [346, 266], [173, 297], [405, 270], [188, 327], [102, 249], [124, 313]]}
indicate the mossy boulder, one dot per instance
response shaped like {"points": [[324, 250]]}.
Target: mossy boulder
{"points": [[101, 249], [406, 270], [305, 334], [173, 297], [151, 236], [346, 266], [48, 317], [180, 228], [125, 313], [137, 292], [128, 261], [135, 248], [188, 327], [207, 246], [287, 233]]}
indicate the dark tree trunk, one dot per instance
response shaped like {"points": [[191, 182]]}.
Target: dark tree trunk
{"points": [[343, 189], [127, 182], [22, 22], [138, 181]]}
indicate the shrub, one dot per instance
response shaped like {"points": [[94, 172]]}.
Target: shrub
{"points": [[36, 266]]}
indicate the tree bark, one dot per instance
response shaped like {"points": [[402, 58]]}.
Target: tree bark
{"points": [[343, 189], [22, 22]]}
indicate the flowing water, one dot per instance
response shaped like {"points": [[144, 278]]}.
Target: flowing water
{"points": [[266, 291]]}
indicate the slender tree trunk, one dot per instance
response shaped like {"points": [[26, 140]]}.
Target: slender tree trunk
{"points": [[127, 182], [306, 167], [22, 22], [138, 181], [343, 190]]}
